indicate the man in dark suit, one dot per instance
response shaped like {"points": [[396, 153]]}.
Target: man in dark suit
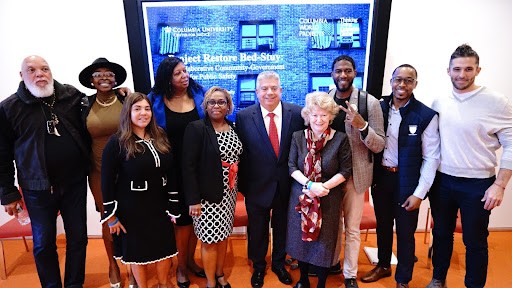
{"points": [[265, 130]]}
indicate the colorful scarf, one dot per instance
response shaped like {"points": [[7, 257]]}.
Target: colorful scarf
{"points": [[309, 208]]}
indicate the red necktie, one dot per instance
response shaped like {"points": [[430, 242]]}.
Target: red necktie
{"points": [[272, 133]]}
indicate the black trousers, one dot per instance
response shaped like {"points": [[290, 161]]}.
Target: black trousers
{"points": [[447, 196], [388, 209], [258, 233]]}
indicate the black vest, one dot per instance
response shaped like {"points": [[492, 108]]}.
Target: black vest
{"points": [[410, 156]]}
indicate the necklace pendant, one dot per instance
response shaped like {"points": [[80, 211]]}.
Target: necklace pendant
{"points": [[57, 132], [51, 128]]}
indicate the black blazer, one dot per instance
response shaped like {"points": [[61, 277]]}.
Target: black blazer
{"points": [[261, 174], [201, 163]]}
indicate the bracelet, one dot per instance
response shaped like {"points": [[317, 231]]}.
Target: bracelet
{"points": [[309, 184], [365, 126], [502, 187], [113, 223]]}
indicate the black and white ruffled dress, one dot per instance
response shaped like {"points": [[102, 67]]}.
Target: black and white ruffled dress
{"points": [[140, 194], [215, 223]]}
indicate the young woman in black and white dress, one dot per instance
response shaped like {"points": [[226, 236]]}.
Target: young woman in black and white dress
{"points": [[139, 197]]}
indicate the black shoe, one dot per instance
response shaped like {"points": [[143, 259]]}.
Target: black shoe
{"points": [[282, 275], [334, 270], [292, 263], [200, 273], [218, 285], [301, 285], [257, 278], [289, 261], [185, 284], [351, 283]]}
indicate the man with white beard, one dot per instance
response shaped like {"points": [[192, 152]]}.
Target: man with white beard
{"points": [[42, 133]]}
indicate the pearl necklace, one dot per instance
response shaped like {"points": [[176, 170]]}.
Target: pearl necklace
{"points": [[103, 104]]}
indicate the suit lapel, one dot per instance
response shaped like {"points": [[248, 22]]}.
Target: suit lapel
{"points": [[353, 100], [285, 128], [212, 136]]}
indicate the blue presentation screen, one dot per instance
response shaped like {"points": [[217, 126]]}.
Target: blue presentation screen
{"points": [[227, 43]]}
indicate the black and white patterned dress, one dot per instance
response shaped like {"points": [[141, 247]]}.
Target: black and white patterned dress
{"points": [[216, 220]]}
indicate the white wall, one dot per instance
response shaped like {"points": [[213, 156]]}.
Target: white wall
{"points": [[422, 33]]}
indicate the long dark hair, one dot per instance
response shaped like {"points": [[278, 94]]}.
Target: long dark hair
{"points": [[127, 138], [163, 79]]}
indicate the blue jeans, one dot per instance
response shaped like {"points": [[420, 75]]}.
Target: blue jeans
{"points": [[43, 207], [448, 194]]}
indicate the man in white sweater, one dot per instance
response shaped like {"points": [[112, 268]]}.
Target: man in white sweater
{"points": [[474, 122]]}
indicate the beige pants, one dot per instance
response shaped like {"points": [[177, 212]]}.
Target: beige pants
{"points": [[350, 219]]}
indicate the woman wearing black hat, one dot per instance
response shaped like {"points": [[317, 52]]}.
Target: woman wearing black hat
{"points": [[101, 117]]}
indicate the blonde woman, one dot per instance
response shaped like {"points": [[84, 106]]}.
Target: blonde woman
{"points": [[320, 162]]}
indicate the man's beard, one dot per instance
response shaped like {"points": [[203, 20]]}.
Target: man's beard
{"points": [[344, 89], [464, 86], [39, 92]]}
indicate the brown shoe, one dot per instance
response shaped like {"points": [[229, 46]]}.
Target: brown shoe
{"points": [[375, 274]]}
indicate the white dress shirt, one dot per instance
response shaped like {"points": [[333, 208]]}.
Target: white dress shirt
{"points": [[278, 118]]}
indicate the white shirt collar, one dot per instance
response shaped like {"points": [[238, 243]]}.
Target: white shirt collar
{"points": [[278, 111]]}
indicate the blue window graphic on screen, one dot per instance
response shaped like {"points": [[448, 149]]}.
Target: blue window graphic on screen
{"points": [[228, 43], [247, 88], [257, 35]]}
